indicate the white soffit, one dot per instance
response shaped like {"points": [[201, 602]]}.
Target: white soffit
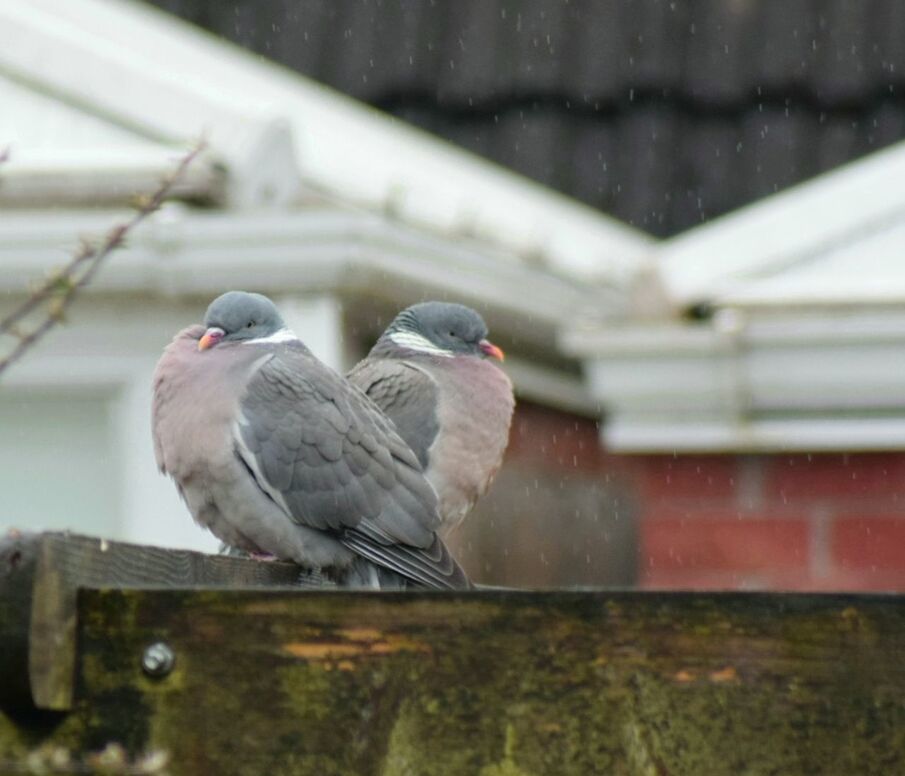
{"points": [[185, 251], [182, 254], [792, 380], [830, 433], [171, 81], [830, 239]]}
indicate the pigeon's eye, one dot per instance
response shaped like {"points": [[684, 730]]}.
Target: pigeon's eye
{"points": [[250, 325]]}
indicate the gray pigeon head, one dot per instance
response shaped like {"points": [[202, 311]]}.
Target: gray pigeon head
{"points": [[238, 315], [448, 327]]}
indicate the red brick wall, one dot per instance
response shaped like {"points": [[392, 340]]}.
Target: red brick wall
{"points": [[804, 522]]}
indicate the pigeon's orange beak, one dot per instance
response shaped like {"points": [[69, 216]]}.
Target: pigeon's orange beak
{"points": [[489, 349], [211, 337]]}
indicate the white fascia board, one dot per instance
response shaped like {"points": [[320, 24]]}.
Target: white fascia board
{"points": [[749, 383], [679, 383], [189, 79], [642, 340], [807, 435], [888, 292], [181, 255], [816, 328], [182, 251], [785, 229], [825, 361], [99, 176], [78, 58]]}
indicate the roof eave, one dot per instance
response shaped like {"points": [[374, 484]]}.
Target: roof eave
{"points": [[105, 178], [183, 252], [741, 383], [257, 116]]}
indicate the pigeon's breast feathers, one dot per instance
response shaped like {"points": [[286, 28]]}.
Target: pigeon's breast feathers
{"points": [[196, 398]]}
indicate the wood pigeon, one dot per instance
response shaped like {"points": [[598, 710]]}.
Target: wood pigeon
{"points": [[430, 374], [276, 453]]}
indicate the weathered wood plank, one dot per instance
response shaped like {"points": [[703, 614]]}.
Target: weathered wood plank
{"points": [[39, 576], [491, 683]]}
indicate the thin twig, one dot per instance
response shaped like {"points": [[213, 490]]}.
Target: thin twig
{"points": [[61, 287]]}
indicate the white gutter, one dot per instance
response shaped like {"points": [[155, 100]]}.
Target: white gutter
{"points": [[188, 251], [60, 178], [749, 383], [808, 435], [182, 252]]}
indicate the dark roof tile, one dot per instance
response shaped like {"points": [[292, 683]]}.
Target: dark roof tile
{"points": [[301, 40], [529, 140], [474, 133], [775, 152], [655, 44], [386, 48], [469, 56], [661, 112], [889, 31], [596, 161], [784, 49], [719, 48], [594, 58], [882, 126], [704, 175], [533, 36], [837, 141], [648, 139], [844, 50]]}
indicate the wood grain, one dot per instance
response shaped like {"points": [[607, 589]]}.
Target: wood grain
{"points": [[485, 683], [39, 576], [490, 683]]}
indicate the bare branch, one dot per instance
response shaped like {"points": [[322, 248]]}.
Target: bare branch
{"points": [[60, 288]]}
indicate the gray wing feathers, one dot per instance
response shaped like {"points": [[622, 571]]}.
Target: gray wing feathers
{"points": [[407, 395], [433, 566], [307, 438], [338, 465]]}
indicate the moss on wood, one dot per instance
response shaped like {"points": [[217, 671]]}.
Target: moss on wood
{"points": [[495, 684]]}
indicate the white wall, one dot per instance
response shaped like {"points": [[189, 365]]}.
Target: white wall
{"points": [[56, 457]]}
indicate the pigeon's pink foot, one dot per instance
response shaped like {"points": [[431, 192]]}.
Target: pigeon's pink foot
{"points": [[262, 556]]}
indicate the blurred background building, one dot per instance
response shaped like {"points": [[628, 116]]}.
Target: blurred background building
{"points": [[701, 290]]}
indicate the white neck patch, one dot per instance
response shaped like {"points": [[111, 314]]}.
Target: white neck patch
{"points": [[412, 341], [281, 335]]}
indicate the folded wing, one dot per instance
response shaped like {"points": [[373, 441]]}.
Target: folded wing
{"points": [[326, 455]]}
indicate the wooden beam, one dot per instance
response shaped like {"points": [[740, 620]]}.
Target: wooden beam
{"points": [[493, 683], [39, 576], [486, 683]]}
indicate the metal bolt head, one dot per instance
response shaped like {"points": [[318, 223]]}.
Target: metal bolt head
{"points": [[158, 660]]}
